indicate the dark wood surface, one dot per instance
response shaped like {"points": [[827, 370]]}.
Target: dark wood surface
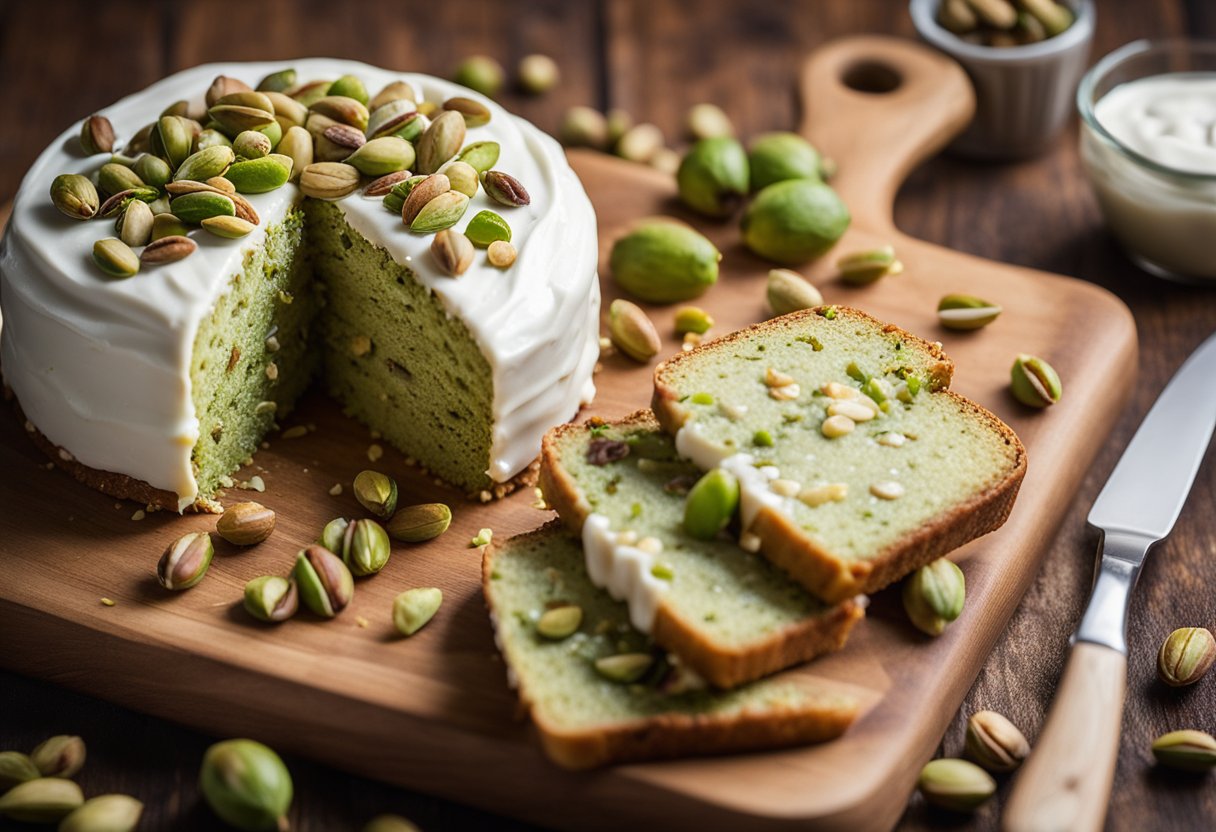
{"points": [[61, 60]]}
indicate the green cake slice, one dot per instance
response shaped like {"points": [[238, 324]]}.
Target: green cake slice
{"points": [[856, 464], [729, 615], [605, 694]]}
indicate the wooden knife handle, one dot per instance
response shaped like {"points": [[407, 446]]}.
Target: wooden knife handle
{"points": [[1065, 785]]}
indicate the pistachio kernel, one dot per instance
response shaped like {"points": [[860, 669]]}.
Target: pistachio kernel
{"points": [[1187, 750], [625, 668], [417, 524], [414, 608], [259, 176], [481, 156], [168, 249], [505, 189], [280, 81], [463, 176], [325, 584], [351, 87], [1034, 382], [632, 331], [185, 561], [115, 258], [480, 73], [957, 785], [15, 768], [933, 596], [501, 255], [376, 492], [560, 622], [538, 74], [246, 784], [271, 598], [246, 524], [475, 113], [692, 319], [966, 312], [44, 800], [104, 813], [995, 743], [861, 268], [486, 227], [60, 756]]}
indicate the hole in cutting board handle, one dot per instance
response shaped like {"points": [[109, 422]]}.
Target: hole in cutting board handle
{"points": [[871, 76]]}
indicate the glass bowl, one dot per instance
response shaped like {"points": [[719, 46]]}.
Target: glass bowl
{"points": [[1164, 216]]}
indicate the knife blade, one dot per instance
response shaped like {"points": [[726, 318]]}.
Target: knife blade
{"points": [[1066, 784]]}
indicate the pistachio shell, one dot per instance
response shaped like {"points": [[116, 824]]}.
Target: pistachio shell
{"points": [[173, 139], [480, 73], [710, 504], [442, 212], [934, 595], [115, 258], [223, 85], [167, 250], [168, 225], [325, 583], [60, 756], [351, 87], [376, 492], [417, 524], [258, 176], [383, 155], [44, 800], [329, 180], [271, 598], [233, 119], [625, 668], [205, 164], [153, 170], [74, 196], [246, 784], [421, 192], [956, 784], [452, 251], [475, 113], [195, 207], [97, 135], [343, 109], [441, 141], [1034, 382], [134, 224], [230, 228], [185, 561], [462, 176], [114, 178], [297, 144], [280, 81], [394, 91]]}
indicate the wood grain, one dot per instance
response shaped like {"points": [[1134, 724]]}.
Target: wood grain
{"points": [[658, 57]]}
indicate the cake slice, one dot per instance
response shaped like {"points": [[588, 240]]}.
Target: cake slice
{"points": [[729, 615], [587, 719], [855, 462]]}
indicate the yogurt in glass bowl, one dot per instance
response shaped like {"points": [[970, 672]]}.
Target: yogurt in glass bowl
{"points": [[1148, 145]]}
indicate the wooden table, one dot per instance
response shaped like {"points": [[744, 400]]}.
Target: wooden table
{"points": [[62, 60]]}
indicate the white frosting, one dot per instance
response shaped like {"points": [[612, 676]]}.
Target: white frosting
{"points": [[102, 366], [1169, 118], [755, 491], [623, 570]]}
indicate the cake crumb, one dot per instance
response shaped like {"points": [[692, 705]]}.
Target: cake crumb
{"points": [[272, 371], [485, 496], [361, 621], [295, 432], [483, 537], [107, 602], [254, 483], [539, 502], [336, 490], [66, 455], [374, 452], [139, 514], [29, 426]]}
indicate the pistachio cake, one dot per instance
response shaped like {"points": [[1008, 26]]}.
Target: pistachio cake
{"points": [[601, 692], [730, 616], [159, 385], [855, 462]]}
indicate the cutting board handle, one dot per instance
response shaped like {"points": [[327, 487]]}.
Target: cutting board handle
{"points": [[879, 106]]}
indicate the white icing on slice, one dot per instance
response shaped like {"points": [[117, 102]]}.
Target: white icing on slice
{"points": [[623, 570]]}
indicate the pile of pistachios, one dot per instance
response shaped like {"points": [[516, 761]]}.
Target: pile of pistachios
{"points": [[192, 169], [1004, 23], [322, 577]]}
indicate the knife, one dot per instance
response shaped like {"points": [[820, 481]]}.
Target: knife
{"points": [[1065, 785]]}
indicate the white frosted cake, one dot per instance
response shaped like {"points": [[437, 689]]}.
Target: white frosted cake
{"points": [[156, 385]]}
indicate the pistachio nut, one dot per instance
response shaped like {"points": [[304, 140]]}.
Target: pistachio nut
{"points": [[223, 85], [486, 227], [708, 121], [420, 523], [280, 81], [167, 250], [312, 92], [413, 608], [141, 142], [297, 144], [153, 170], [205, 164], [172, 139], [233, 119], [501, 255], [329, 180], [246, 784], [560, 622], [390, 118], [288, 112], [230, 228], [632, 331], [861, 268], [15, 768], [441, 141], [96, 135], [325, 583], [185, 561], [481, 156], [480, 73], [453, 251], [618, 122], [538, 74], [271, 598], [210, 138], [640, 143], [127, 160], [245, 524], [343, 109], [787, 291], [193, 208], [1188, 750], [933, 595], [257, 176], [664, 262], [692, 319], [251, 144], [957, 785], [442, 212], [160, 205], [995, 743], [114, 178], [712, 178], [393, 91], [1186, 656], [777, 157], [462, 176], [383, 185], [376, 492], [475, 113], [351, 87], [383, 155], [104, 813], [794, 221], [505, 189], [966, 312], [116, 203], [167, 225], [344, 138], [625, 668], [394, 200], [333, 536], [1034, 382], [134, 223], [412, 127], [390, 823], [75, 196], [710, 504], [274, 132], [584, 127], [44, 800], [115, 258]]}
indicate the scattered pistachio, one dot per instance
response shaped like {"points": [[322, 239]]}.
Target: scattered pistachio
{"points": [[632, 331], [15, 768], [104, 813], [994, 742], [453, 251], [640, 143], [167, 250], [483, 538], [481, 156], [480, 73], [386, 154], [417, 524], [505, 189], [413, 608], [230, 228], [246, 524], [258, 176], [329, 180], [195, 207], [777, 157], [486, 227], [501, 254], [692, 319], [97, 135], [75, 196], [663, 262], [1000, 23], [712, 178], [325, 583], [271, 598], [60, 756], [365, 547], [115, 258], [1186, 656], [787, 291], [707, 121], [185, 561], [957, 785], [933, 595], [246, 784], [965, 312], [442, 212], [1188, 750], [1034, 382], [153, 170], [710, 504], [475, 113], [114, 178], [667, 161], [376, 492], [441, 141], [383, 185], [560, 622], [618, 122], [280, 81], [351, 87], [794, 221], [625, 668], [44, 800], [861, 268], [223, 85], [297, 144], [538, 74], [419, 193], [584, 127], [134, 223]]}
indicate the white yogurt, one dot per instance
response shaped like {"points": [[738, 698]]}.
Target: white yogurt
{"points": [[1167, 218]]}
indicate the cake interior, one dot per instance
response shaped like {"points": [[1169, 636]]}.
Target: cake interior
{"points": [[318, 296]]}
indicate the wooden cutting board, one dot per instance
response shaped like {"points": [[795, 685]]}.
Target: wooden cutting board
{"points": [[433, 713]]}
